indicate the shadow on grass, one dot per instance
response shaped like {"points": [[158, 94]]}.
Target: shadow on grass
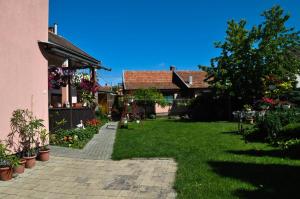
{"points": [[255, 137], [291, 153], [270, 180], [182, 120]]}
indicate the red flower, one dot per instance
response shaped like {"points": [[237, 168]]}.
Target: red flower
{"points": [[88, 85], [93, 122], [268, 100]]}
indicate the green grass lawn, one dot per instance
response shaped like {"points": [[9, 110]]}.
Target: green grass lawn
{"points": [[213, 160]]}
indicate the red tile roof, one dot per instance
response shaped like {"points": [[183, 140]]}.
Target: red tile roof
{"points": [[198, 78], [161, 79]]}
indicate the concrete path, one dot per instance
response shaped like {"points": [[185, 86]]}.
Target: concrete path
{"points": [[100, 146], [65, 178]]}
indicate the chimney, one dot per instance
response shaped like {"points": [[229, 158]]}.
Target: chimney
{"points": [[51, 29], [55, 28], [190, 79], [172, 68]]}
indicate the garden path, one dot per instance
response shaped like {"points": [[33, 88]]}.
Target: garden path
{"points": [[100, 147]]}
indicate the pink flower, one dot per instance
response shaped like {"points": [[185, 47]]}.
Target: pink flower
{"points": [[268, 100]]}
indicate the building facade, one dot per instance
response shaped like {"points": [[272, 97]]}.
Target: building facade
{"points": [[175, 85], [24, 69]]}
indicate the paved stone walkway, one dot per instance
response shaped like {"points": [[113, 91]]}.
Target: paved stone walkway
{"points": [[88, 173], [63, 177], [99, 148]]}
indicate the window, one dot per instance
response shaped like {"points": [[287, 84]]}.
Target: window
{"points": [[169, 98]]}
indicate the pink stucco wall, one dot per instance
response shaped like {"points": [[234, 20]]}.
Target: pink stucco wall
{"points": [[162, 110], [23, 74]]}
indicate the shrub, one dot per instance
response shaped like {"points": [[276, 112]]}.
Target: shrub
{"points": [[292, 144], [207, 107], [272, 123], [290, 131], [25, 127]]}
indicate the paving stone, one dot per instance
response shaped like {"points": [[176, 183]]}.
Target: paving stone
{"points": [[89, 173], [113, 181]]}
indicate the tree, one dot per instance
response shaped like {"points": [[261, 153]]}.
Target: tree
{"points": [[149, 97], [249, 57]]}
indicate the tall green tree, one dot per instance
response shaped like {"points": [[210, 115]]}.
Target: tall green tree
{"points": [[149, 97], [249, 57]]}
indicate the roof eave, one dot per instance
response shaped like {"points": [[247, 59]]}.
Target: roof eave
{"points": [[58, 49]]}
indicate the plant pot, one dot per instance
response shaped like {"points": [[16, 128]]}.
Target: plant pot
{"points": [[30, 162], [78, 105], [21, 167], [6, 173], [44, 155]]}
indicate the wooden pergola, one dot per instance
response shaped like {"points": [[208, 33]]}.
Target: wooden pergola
{"points": [[60, 53]]}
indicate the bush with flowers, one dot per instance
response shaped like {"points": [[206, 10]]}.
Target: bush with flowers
{"points": [[86, 88], [78, 77], [270, 125], [93, 122]]}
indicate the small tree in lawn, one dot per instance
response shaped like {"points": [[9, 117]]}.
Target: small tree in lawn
{"points": [[149, 97], [249, 57]]}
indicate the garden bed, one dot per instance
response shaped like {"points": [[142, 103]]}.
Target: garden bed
{"points": [[76, 138]]}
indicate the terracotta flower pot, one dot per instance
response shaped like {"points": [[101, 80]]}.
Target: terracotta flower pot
{"points": [[30, 162], [44, 155], [78, 105], [6, 173], [21, 167]]}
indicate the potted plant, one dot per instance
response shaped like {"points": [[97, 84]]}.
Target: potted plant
{"points": [[20, 167], [16, 147], [26, 127], [7, 162], [44, 149]]}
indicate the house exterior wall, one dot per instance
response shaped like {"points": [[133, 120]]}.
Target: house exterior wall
{"points": [[24, 70], [159, 110]]}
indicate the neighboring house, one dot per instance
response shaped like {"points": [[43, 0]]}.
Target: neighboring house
{"points": [[23, 76], [173, 84]]}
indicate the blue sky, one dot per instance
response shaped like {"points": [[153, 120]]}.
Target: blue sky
{"points": [[154, 34]]}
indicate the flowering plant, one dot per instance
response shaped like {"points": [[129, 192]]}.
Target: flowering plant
{"points": [[77, 78], [268, 101], [88, 86], [58, 77], [93, 122], [265, 103]]}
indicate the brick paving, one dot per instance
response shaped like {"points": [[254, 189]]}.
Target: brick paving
{"points": [[88, 173], [63, 177]]}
